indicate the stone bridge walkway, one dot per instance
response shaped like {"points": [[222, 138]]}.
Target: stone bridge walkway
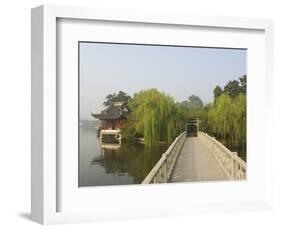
{"points": [[196, 163]]}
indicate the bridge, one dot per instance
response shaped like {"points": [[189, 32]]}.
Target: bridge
{"points": [[198, 157]]}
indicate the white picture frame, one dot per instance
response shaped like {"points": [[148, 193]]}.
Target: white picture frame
{"points": [[46, 183]]}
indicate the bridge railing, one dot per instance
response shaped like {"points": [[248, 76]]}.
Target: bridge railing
{"points": [[161, 172], [233, 166]]}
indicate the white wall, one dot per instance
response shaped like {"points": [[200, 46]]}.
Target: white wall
{"points": [[15, 111]]}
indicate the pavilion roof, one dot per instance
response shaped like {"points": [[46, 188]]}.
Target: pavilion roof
{"points": [[114, 111]]}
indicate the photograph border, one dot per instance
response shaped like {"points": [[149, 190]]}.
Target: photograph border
{"points": [[44, 161]]}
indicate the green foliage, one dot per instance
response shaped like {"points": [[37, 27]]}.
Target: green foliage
{"points": [[193, 102], [129, 131], [220, 114], [154, 116], [234, 88], [120, 96], [227, 118], [238, 124], [204, 119], [217, 91]]}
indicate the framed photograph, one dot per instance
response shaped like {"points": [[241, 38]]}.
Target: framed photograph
{"points": [[140, 114]]}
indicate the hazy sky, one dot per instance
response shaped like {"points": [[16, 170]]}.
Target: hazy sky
{"points": [[178, 71]]}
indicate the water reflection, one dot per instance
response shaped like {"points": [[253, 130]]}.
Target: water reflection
{"points": [[133, 159], [128, 163]]}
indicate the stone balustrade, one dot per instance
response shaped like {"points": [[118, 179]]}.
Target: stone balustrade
{"points": [[162, 170], [233, 166]]}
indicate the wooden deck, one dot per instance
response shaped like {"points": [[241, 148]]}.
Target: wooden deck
{"points": [[196, 163]]}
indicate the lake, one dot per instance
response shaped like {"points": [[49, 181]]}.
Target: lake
{"points": [[128, 163]]}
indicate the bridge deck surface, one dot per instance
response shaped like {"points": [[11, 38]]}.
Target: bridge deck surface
{"points": [[196, 163]]}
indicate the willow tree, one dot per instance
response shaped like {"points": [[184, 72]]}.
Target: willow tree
{"points": [[238, 120], [220, 116], [227, 118], [154, 116]]}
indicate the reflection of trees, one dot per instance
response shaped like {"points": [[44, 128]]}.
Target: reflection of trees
{"points": [[111, 161], [132, 158]]}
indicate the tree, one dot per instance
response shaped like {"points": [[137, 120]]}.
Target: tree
{"points": [[217, 91], [194, 102], [232, 88], [220, 116], [154, 116], [227, 118], [119, 97], [238, 121], [243, 83], [235, 87]]}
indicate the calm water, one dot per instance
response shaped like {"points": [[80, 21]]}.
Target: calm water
{"points": [[127, 164]]}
